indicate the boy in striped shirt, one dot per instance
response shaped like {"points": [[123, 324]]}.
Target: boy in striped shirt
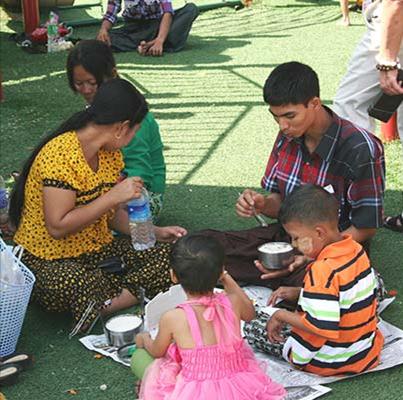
{"points": [[334, 330]]}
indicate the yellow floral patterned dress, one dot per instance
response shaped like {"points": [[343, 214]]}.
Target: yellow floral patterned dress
{"points": [[67, 276]]}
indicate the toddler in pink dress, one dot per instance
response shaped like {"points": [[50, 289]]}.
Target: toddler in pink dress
{"points": [[199, 349]]}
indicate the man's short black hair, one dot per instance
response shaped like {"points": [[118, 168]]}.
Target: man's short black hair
{"points": [[309, 205], [291, 83]]}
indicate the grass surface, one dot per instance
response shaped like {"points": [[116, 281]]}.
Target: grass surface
{"points": [[218, 134]]}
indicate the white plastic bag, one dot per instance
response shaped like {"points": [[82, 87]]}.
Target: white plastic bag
{"points": [[10, 273]]}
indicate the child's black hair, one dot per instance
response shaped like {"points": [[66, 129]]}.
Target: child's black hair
{"points": [[291, 83], [309, 204], [197, 262]]}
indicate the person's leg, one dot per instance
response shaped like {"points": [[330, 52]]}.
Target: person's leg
{"points": [[240, 249], [360, 87], [181, 24], [400, 109], [345, 19], [129, 37], [147, 269]]}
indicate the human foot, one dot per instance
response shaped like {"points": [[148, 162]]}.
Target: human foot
{"points": [[142, 48], [344, 21]]}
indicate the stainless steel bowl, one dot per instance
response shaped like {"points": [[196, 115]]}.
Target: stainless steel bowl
{"points": [[273, 258], [118, 336]]}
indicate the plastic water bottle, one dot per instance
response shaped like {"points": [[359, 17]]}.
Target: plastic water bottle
{"points": [[3, 202], [140, 222], [53, 32]]}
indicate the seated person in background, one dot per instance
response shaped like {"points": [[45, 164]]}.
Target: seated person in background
{"points": [[67, 201], [90, 63], [150, 26], [313, 146], [334, 330]]}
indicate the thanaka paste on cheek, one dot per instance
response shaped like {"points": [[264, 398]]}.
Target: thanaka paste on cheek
{"points": [[305, 245]]}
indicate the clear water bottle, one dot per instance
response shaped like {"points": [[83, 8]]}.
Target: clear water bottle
{"points": [[3, 202], [53, 32], [140, 222]]}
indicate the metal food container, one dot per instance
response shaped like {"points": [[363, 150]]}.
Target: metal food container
{"points": [[276, 255], [122, 329]]}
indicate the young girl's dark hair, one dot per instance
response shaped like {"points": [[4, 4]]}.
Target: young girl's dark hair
{"points": [[197, 261], [116, 100], [95, 57]]}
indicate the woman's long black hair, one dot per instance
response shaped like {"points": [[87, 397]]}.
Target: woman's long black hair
{"points": [[116, 100]]}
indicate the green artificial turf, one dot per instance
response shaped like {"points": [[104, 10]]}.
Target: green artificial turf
{"points": [[218, 134]]}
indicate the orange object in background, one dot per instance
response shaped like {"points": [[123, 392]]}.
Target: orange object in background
{"points": [[389, 129], [30, 12]]}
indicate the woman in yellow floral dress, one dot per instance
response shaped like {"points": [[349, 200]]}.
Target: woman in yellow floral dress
{"points": [[69, 198]]}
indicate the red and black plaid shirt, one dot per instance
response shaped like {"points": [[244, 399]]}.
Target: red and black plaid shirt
{"points": [[348, 157]]}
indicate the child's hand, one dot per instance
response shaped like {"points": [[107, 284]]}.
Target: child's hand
{"points": [[140, 339], [284, 293], [274, 327]]}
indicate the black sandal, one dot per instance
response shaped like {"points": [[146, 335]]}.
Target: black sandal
{"points": [[8, 374], [394, 223]]}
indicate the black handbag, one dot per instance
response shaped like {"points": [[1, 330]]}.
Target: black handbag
{"points": [[113, 265]]}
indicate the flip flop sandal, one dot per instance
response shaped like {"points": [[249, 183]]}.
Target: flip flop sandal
{"points": [[22, 360], [8, 374], [394, 223]]}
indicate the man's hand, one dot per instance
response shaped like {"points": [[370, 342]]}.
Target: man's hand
{"points": [[103, 34], [156, 49], [389, 83], [299, 262], [250, 203], [153, 48], [274, 327], [169, 234], [288, 293]]}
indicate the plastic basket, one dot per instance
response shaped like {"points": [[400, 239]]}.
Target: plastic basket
{"points": [[13, 305]]}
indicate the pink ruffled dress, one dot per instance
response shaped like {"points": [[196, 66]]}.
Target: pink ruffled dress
{"points": [[227, 370]]}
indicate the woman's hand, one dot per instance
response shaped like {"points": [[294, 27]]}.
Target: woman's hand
{"points": [[284, 293], [274, 327], [129, 188], [250, 203], [299, 262], [169, 234]]}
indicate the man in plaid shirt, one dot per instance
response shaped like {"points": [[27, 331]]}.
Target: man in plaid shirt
{"points": [[151, 26], [316, 146]]}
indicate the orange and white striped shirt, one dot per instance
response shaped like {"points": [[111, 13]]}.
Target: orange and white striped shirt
{"points": [[337, 303]]}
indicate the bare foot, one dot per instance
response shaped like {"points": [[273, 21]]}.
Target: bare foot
{"points": [[142, 50], [344, 21], [120, 302]]}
